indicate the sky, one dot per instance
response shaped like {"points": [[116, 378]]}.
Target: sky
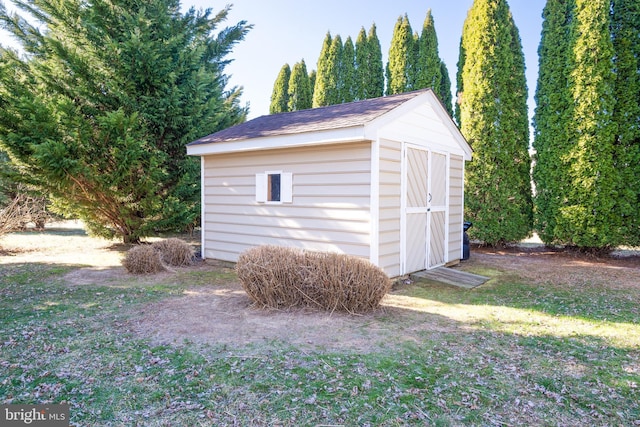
{"points": [[287, 31]]}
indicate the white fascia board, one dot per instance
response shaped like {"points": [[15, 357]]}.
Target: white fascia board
{"points": [[335, 136]]}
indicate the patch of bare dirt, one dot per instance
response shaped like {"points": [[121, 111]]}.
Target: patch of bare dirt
{"points": [[118, 276], [96, 276], [225, 315], [540, 264]]}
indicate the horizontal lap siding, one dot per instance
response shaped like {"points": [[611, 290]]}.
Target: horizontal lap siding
{"points": [[389, 215], [456, 190], [330, 209]]}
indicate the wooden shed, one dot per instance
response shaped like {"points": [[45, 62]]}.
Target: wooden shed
{"points": [[381, 179]]}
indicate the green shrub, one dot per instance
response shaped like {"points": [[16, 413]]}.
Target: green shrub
{"points": [[279, 277]]}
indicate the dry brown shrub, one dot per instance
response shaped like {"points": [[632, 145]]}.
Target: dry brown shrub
{"points": [[174, 252], [23, 208], [279, 277], [143, 259]]}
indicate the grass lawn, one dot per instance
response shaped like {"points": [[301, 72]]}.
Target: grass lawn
{"points": [[515, 351]]}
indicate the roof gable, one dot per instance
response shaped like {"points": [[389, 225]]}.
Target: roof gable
{"points": [[332, 117]]}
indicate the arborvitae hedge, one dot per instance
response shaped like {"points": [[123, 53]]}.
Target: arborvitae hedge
{"points": [[280, 94], [428, 72], [493, 114], [323, 78], [626, 43], [400, 71], [300, 91], [586, 124], [551, 141], [369, 67]]}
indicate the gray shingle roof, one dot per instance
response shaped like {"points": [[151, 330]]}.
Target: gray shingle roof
{"points": [[338, 116]]}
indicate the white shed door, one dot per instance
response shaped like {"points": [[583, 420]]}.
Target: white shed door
{"points": [[416, 209], [437, 207], [424, 209]]}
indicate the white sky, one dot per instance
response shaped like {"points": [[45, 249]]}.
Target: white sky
{"points": [[286, 31]]}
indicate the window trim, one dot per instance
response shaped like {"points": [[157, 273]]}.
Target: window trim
{"points": [[286, 187]]}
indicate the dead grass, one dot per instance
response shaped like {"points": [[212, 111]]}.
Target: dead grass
{"points": [[549, 340], [215, 312]]}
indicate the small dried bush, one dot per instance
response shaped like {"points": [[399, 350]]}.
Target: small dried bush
{"points": [[143, 259], [21, 209], [279, 277], [174, 252]]}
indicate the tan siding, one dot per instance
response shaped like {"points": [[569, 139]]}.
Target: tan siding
{"points": [[389, 213], [330, 209], [230, 170], [455, 207]]}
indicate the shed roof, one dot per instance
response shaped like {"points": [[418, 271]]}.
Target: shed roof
{"points": [[337, 116]]}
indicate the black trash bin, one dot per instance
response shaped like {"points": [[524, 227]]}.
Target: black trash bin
{"points": [[466, 249]]}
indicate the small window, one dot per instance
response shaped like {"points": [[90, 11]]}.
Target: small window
{"points": [[274, 187]]}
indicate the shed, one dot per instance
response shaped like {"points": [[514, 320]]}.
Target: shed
{"points": [[380, 179]]}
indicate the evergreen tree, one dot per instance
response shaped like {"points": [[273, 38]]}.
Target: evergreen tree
{"points": [[444, 91], [400, 71], [312, 83], [462, 56], [98, 111], [323, 76], [551, 118], [374, 82], [494, 120], [431, 71], [280, 94], [334, 88], [369, 67], [6, 183], [586, 130], [428, 65], [587, 219], [626, 43], [362, 64], [299, 88], [348, 83]]}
